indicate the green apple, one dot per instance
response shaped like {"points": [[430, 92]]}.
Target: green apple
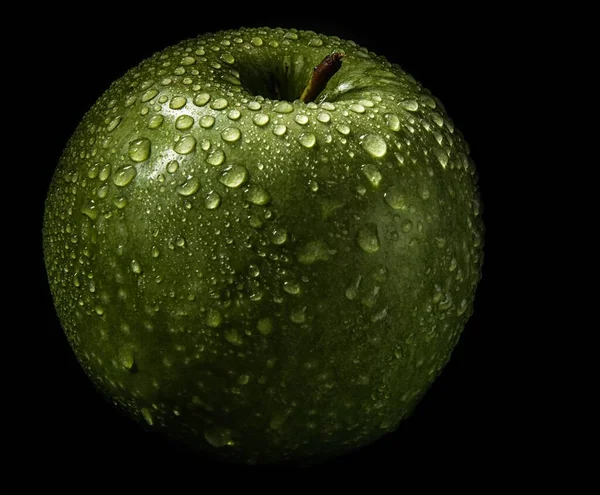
{"points": [[264, 275]]}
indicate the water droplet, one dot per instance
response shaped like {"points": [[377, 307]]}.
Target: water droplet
{"points": [[315, 42], [352, 289], [393, 121], [291, 287], [410, 105], [256, 41], [172, 166], [254, 106], [313, 251], [136, 267], [424, 192], [155, 121], [441, 155], [257, 195], [265, 326], [324, 117], [279, 236], [406, 226], [437, 118], [368, 239], [114, 123], [126, 358], [395, 198], [124, 176], [429, 101], [228, 58], [155, 252], [188, 61], [301, 119], [234, 176], [201, 99], [212, 200], [372, 174], [139, 150], [148, 95], [218, 437], [184, 122], [453, 264], [217, 157], [219, 104], [233, 337], [243, 379], [189, 187], [177, 102], [261, 119], [234, 114], [185, 145], [231, 134], [343, 129], [298, 315], [147, 416], [283, 107], [308, 140], [357, 108], [374, 145], [279, 130], [207, 121], [214, 318]]}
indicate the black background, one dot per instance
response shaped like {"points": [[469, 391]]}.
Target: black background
{"points": [[467, 58]]}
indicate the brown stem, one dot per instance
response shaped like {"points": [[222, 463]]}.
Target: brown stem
{"points": [[321, 76]]}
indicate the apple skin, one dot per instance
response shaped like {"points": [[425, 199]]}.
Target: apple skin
{"points": [[264, 280]]}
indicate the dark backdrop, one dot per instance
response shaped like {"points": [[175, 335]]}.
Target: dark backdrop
{"points": [[467, 58]]}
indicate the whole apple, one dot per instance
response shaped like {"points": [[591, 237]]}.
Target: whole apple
{"points": [[265, 243]]}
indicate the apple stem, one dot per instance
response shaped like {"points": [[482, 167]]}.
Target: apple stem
{"points": [[321, 75]]}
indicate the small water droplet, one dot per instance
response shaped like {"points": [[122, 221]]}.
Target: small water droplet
{"points": [[126, 358], [214, 318], [89, 209], [257, 195], [231, 134], [441, 155], [279, 236], [189, 187], [372, 174], [139, 150], [234, 176], [155, 252], [406, 226], [308, 140], [453, 264], [147, 416], [313, 251], [124, 176], [172, 166], [185, 145], [114, 123], [279, 130], [184, 122], [424, 192], [394, 197], [283, 107], [136, 267], [212, 200], [374, 145], [291, 287], [368, 239], [177, 102], [265, 326], [233, 337], [298, 315], [218, 437], [301, 119], [352, 289], [217, 157]]}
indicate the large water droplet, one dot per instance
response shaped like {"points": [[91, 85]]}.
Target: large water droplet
{"points": [[283, 107], [189, 187], [114, 123], [219, 104], [201, 99], [234, 176], [231, 134], [124, 176], [313, 251], [265, 326], [177, 102], [148, 95], [233, 337], [308, 140], [352, 289], [324, 117], [172, 166], [279, 236], [155, 121], [126, 358], [368, 239], [218, 437], [256, 41], [298, 315], [184, 122], [260, 119], [207, 121], [291, 287], [257, 195], [89, 209], [374, 145], [393, 121], [214, 318], [217, 157], [395, 198], [185, 145], [139, 150], [147, 416], [372, 174], [441, 155], [343, 129], [136, 267], [279, 130], [357, 108], [410, 105], [406, 226]]}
